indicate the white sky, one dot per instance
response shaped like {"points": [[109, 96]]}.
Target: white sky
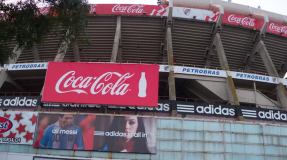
{"points": [[277, 6]]}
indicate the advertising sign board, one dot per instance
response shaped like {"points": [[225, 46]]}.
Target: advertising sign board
{"points": [[96, 132], [102, 83], [206, 109], [20, 101], [277, 29], [26, 66], [193, 13], [163, 106], [17, 127], [240, 20], [264, 114], [130, 9]]}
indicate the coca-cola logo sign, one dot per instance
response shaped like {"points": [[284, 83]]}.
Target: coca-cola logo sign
{"points": [[135, 8], [94, 85], [100, 83], [278, 28], [244, 21]]}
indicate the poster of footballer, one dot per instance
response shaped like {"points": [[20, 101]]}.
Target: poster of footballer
{"points": [[17, 127], [131, 134]]}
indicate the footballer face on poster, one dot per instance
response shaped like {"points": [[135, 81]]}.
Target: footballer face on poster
{"points": [[100, 133], [64, 131]]}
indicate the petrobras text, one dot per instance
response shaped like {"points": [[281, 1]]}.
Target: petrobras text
{"points": [[254, 77], [26, 66], [199, 71]]}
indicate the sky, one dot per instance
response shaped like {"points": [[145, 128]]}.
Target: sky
{"points": [[277, 6]]}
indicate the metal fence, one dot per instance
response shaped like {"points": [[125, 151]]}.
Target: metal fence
{"points": [[185, 139]]}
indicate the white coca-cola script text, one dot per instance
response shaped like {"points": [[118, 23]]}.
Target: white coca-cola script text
{"points": [[279, 29], [70, 83], [128, 9], [246, 21]]}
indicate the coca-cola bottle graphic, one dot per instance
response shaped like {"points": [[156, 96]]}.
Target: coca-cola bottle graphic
{"points": [[142, 86]]}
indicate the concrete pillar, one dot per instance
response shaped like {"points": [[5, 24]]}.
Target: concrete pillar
{"points": [[76, 52], [281, 91], [4, 76], [232, 95], [216, 29], [250, 58], [171, 78], [116, 41], [63, 48], [59, 58], [35, 52]]}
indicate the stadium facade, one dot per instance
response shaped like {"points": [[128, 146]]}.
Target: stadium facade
{"points": [[220, 91]]}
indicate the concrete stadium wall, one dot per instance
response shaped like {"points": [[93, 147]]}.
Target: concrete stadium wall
{"points": [[185, 139]]}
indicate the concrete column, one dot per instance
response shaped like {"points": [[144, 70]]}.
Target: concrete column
{"points": [[59, 58], [171, 78], [232, 95], [63, 49], [76, 52], [216, 29], [4, 76], [250, 58], [115, 52], [116, 41], [35, 52], [281, 91]]}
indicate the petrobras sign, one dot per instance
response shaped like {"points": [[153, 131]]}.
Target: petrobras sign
{"points": [[264, 114], [192, 13], [163, 106], [26, 66], [199, 71], [254, 77], [102, 83], [220, 110]]}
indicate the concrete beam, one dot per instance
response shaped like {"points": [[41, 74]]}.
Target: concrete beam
{"points": [[61, 52], [220, 51], [283, 69], [261, 49], [250, 58], [4, 76], [10, 80], [232, 95], [76, 52], [281, 90], [116, 41], [171, 79], [35, 52], [217, 27]]}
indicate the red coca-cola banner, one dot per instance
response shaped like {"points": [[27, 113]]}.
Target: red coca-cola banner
{"points": [[102, 83], [130, 9], [239, 20], [127, 9], [277, 29]]}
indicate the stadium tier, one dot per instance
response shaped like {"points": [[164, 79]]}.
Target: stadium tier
{"points": [[193, 79]]}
